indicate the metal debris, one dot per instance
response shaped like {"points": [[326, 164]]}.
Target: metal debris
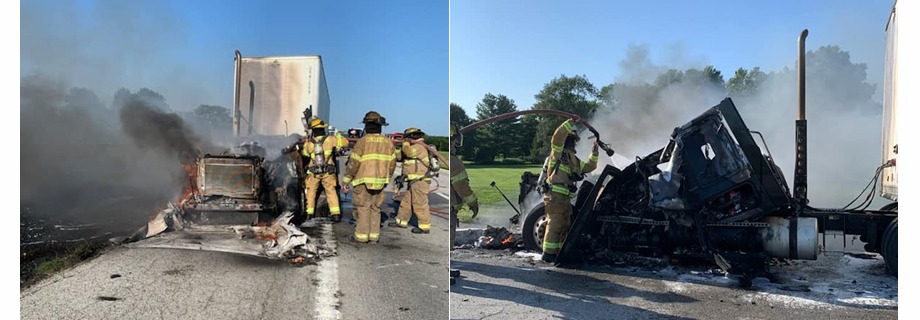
{"points": [[281, 240]]}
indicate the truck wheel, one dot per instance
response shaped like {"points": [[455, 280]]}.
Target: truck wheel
{"points": [[890, 247], [534, 228]]}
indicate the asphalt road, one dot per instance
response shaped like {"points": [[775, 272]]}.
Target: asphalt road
{"points": [[501, 285], [405, 276]]}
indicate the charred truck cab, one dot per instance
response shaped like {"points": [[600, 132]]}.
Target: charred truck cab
{"points": [[709, 192], [712, 192]]}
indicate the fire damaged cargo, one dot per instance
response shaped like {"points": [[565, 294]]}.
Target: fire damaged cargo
{"points": [[711, 193]]}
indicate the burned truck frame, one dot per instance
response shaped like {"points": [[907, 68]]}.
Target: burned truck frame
{"points": [[711, 192]]}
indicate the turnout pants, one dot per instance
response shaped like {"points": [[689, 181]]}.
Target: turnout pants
{"points": [[328, 182], [559, 219], [367, 205], [416, 199]]}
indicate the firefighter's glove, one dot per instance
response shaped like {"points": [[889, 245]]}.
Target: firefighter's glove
{"points": [[594, 147], [474, 206], [346, 188]]}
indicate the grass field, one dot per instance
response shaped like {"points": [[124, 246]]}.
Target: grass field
{"points": [[506, 177]]}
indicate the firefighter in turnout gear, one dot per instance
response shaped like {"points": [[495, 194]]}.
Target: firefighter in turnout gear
{"points": [[320, 167], [369, 168], [460, 192], [417, 169], [563, 170]]}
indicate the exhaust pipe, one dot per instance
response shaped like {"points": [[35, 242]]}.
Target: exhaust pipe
{"points": [[800, 189], [252, 101], [802, 74], [236, 93]]}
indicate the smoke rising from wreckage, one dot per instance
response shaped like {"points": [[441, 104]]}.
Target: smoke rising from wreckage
{"points": [[711, 192], [716, 191], [120, 167], [86, 174]]}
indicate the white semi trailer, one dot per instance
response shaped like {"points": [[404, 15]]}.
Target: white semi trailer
{"points": [[271, 93], [889, 178]]}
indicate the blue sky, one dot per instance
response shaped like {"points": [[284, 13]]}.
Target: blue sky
{"points": [[391, 57], [515, 47]]}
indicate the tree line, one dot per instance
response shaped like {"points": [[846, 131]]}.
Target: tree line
{"points": [[525, 138]]}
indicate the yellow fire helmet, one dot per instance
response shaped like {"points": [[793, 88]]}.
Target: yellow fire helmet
{"points": [[411, 131], [318, 123]]}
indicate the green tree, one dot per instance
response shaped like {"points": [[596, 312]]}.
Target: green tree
{"points": [[709, 77], [458, 115], [669, 77], [216, 121], [571, 94], [745, 83], [714, 76], [467, 149], [496, 138], [832, 75], [439, 142], [214, 116], [615, 94], [526, 135]]}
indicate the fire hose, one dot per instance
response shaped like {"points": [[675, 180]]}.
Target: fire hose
{"points": [[431, 149], [480, 123]]}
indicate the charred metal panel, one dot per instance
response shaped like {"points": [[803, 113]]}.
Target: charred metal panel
{"points": [[224, 217], [230, 177], [768, 176], [228, 207]]}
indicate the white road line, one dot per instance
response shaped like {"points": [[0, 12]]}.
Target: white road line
{"points": [[327, 302]]}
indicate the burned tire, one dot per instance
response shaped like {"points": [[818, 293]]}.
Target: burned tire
{"points": [[890, 247], [534, 228]]}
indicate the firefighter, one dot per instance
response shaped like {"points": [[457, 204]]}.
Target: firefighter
{"points": [[369, 168], [417, 170], [319, 153], [460, 192], [563, 170]]}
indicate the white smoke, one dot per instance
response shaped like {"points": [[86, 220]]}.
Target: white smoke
{"points": [[844, 140]]}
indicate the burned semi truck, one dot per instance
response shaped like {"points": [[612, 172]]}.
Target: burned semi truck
{"points": [[714, 191], [263, 176], [255, 189]]}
